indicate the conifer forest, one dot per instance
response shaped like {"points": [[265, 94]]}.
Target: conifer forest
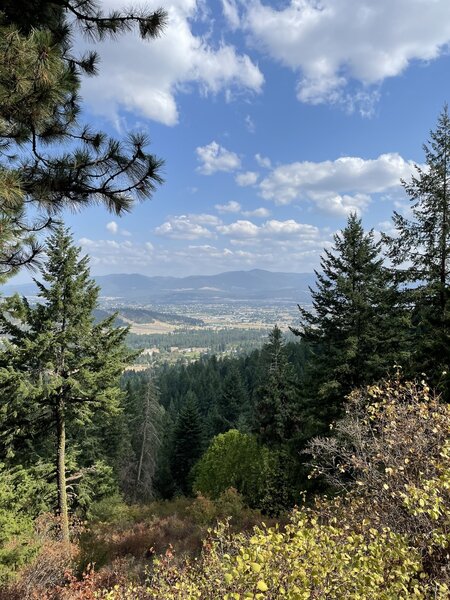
{"points": [[312, 465]]}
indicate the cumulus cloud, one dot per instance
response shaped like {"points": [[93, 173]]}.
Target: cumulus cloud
{"points": [[288, 228], [231, 13], [187, 227], [204, 219], [145, 76], [215, 157], [239, 229], [230, 207], [258, 212], [247, 178], [271, 231], [111, 255], [274, 244], [332, 43], [112, 227], [340, 186], [339, 205], [263, 161], [234, 207]]}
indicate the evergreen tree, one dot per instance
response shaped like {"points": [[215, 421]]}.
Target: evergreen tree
{"points": [[49, 160], [421, 253], [58, 368], [164, 483], [231, 404], [148, 438], [187, 443], [276, 400], [354, 330]]}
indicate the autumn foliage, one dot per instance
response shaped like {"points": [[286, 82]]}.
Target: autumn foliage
{"points": [[384, 535]]}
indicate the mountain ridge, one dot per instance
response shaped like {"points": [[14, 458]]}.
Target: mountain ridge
{"points": [[254, 284]]}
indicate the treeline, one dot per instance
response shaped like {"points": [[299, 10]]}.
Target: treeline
{"points": [[211, 397], [147, 315], [217, 341]]}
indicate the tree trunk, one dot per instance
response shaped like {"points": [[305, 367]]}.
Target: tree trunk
{"points": [[141, 458], [61, 469]]}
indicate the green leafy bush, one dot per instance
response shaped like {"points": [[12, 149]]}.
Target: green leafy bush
{"points": [[234, 460], [17, 543]]}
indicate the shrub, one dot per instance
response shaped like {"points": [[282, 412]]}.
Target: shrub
{"points": [[310, 559], [387, 538], [17, 542], [108, 510], [234, 460], [392, 453]]}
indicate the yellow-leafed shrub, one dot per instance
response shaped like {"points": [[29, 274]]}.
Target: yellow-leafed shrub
{"points": [[386, 538]]}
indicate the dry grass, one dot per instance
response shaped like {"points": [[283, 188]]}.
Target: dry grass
{"points": [[119, 552]]}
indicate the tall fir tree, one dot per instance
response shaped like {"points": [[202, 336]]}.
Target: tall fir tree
{"points": [[276, 410], [187, 444], [421, 253], [355, 329], [231, 406], [164, 484], [58, 369]]}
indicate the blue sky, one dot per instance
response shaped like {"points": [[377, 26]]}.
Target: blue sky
{"points": [[275, 120]]}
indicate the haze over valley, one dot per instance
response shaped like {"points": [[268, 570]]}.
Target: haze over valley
{"points": [[184, 318]]}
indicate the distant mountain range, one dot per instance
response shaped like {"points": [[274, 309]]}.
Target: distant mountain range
{"points": [[254, 285]]}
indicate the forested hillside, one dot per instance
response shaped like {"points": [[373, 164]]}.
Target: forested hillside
{"points": [[317, 466]]}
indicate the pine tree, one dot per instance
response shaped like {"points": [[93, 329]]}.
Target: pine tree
{"points": [[49, 160], [421, 253], [188, 443], [276, 400], [354, 330], [58, 368]]}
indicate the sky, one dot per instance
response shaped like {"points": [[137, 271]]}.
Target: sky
{"points": [[275, 119]]}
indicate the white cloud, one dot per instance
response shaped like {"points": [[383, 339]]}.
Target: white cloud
{"points": [[340, 205], [186, 227], [231, 13], [249, 124], [240, 228], [112, 227], [214, 157], [110, 255], [145, 76], [230, 207], [204, 219], [270, 230], [333, 42], [258, 212], [338, 186], [263, 161], [247, 178], [288, 228], [275, 244]]}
